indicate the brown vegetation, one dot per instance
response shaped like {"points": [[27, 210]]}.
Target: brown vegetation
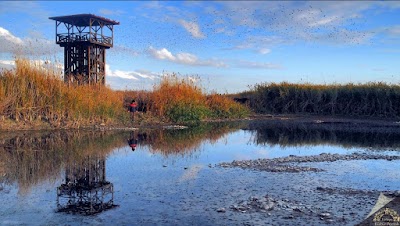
{"points": [[31, 94], [370, 99]]}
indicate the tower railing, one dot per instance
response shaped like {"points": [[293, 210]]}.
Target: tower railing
{"points": [[84, 37]]}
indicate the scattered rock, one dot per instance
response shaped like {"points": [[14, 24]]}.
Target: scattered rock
{"points": [[221, 210], [296, 209], [325, 215], [264, 204]]}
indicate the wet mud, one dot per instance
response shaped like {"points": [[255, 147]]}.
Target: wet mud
{"points": [[282, 164]]}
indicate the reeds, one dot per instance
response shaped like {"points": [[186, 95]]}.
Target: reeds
{"points": [[181, 100], [30, 92], [370, 99]]}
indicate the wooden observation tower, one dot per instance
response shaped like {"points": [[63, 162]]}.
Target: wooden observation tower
{"points": [[85, 38]]}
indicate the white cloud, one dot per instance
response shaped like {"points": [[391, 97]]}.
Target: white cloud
{"points": [[258, 65], [192, 27], [187, 58], [264, 51], [162, 54], [259, 44], [7, 64], [132, 75], [8, 37], [395, 30], [131, 80], [9, 43], [48, 65], [184, 58], [296, 21]]}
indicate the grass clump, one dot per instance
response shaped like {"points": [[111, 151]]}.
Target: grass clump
{"points": [[375, 99]]}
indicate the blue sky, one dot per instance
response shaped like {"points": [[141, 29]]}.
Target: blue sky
{"points": [[228, 45]]}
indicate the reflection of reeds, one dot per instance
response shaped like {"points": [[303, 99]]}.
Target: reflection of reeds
{"points": [[186, 141], [371, 99], [31, 158], [302, 134]]}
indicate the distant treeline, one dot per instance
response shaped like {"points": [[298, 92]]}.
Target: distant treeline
{"points": [[370, 99]]}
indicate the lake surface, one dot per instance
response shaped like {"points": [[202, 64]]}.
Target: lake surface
{"points": [[172, 177]]}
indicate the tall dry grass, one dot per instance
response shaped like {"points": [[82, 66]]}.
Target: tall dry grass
{"points": [[182, 100], [370, 99], [31, 92]]}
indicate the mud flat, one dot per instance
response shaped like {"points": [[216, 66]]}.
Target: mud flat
{"points": [[286, 164], [294, 201]]}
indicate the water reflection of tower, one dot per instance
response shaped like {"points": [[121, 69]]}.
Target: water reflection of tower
{"points": [[86, 190]]}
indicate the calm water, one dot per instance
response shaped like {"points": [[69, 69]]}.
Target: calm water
{"points": [[78, 177]]}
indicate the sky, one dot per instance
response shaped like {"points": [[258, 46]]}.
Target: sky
{"points": [[226, 46]]}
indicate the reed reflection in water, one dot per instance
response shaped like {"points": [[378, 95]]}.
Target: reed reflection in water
{"points": [[29, 159], [289, 134], [78, 162], [182, 142]]}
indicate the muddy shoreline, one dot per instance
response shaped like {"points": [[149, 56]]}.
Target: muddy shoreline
{"points": [[345, 123]]}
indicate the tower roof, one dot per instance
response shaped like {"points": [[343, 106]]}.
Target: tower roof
{"points": [[84, 20]]}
